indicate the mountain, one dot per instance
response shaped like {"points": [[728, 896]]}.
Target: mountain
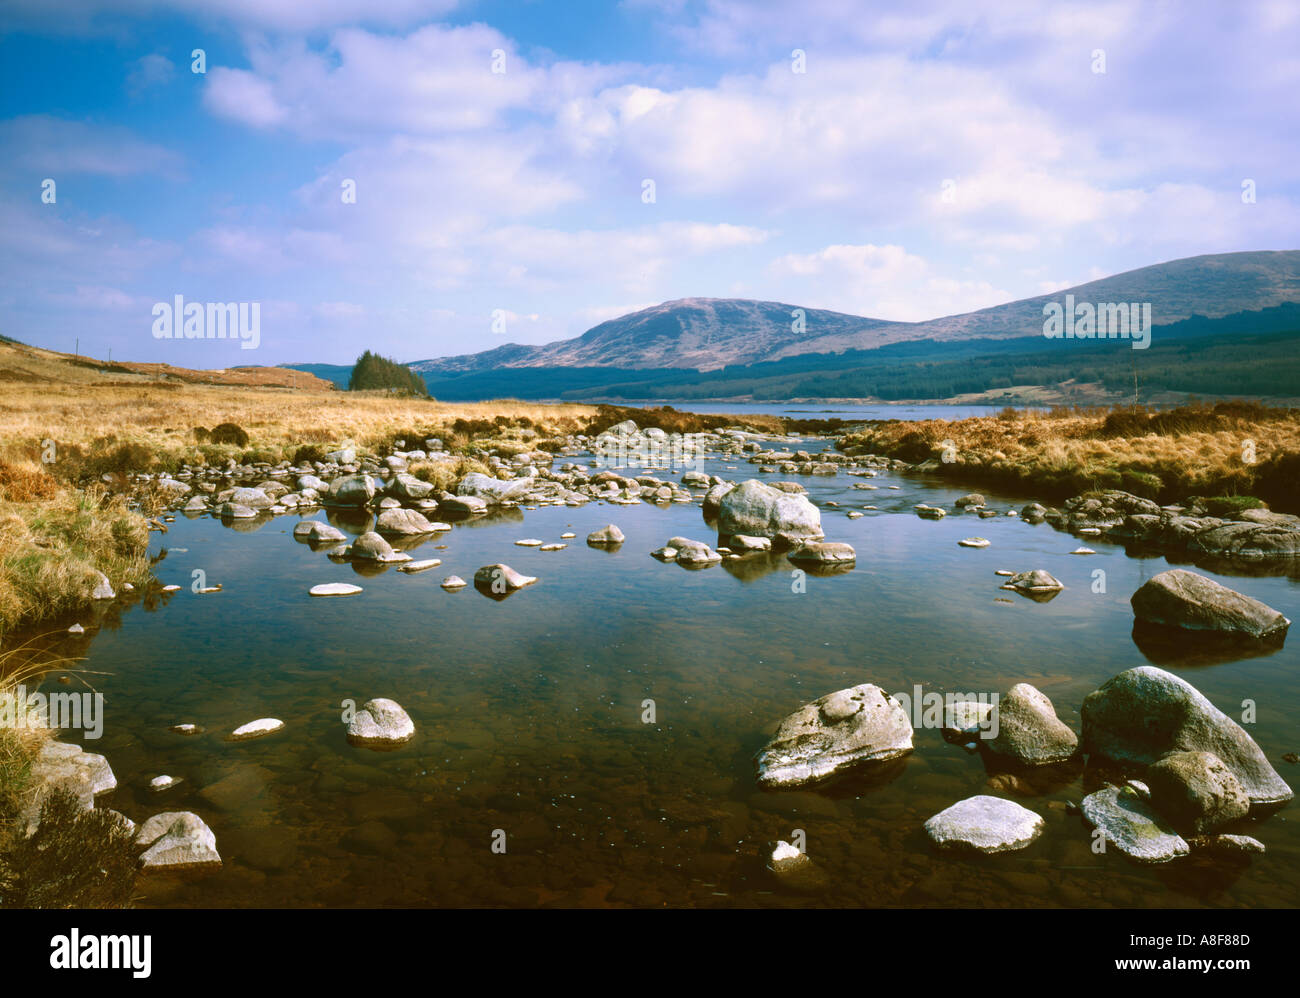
{"points": [[707, 334]]}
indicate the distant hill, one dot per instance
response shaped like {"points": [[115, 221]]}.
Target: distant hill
{"points": [[707, 334], [22, 363], [1250, 353]]}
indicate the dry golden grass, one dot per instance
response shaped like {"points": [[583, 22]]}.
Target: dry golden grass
{"points": [[1226, 449]]}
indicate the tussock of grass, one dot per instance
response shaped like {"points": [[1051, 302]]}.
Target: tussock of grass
{"points": [[1164, 455], [50, 550], [444, 475]]}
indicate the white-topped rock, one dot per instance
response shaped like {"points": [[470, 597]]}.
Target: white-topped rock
{"points": [[984, 824]]}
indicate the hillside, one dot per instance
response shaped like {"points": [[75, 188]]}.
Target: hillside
{"points": [[707, 334], [34, 365]]}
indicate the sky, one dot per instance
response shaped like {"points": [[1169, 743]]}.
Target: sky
{"points": [[427, 178]]}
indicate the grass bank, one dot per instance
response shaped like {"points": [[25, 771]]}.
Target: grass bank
{"points": [[1226, 449]]}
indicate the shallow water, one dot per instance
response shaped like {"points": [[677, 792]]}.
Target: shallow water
{"points": [[529, 713]]}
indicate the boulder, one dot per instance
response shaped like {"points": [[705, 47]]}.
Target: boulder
{"points": [[502, 578], [607, 535], [1132, 826], [404, 486], [746, 544], [65, 766], [973, 499], [177, 840], [352, 490], [494, 491], [371, 547], [403, 522], [463, 505], [693, 554], [823, 553], [1196, 791], [1186, 600], [841, 730], [754, 507], [103, 588], [318, 532], [1143, 714], [1029, 730], [1037, 581], [380, 723], [984, 824], [252, 498], [1248, 541]]}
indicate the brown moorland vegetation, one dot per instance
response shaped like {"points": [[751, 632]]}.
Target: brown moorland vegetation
{"points": [[64, 426], [1225, 449]]}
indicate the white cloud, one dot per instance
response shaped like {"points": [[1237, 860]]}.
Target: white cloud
{"points": [[882, 282]]}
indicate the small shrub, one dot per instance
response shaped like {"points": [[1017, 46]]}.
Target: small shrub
{"points": [[229, 433], [1223, 506], [1141, 483], [75, 859]]}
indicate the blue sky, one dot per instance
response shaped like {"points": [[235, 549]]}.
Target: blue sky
{"points": [[931, 158]]}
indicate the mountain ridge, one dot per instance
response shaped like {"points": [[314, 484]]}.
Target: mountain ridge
{"points": [[706, 334]]}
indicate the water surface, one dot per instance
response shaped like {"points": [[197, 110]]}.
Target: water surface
{"points": [[529, 713]]}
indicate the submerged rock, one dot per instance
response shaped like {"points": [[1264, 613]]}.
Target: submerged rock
{"points": [[984, 824], [1228, 844], [1183, 599], [795, 869], [1145, 713], [1132, 826], [839, 731], [381, 723]]}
